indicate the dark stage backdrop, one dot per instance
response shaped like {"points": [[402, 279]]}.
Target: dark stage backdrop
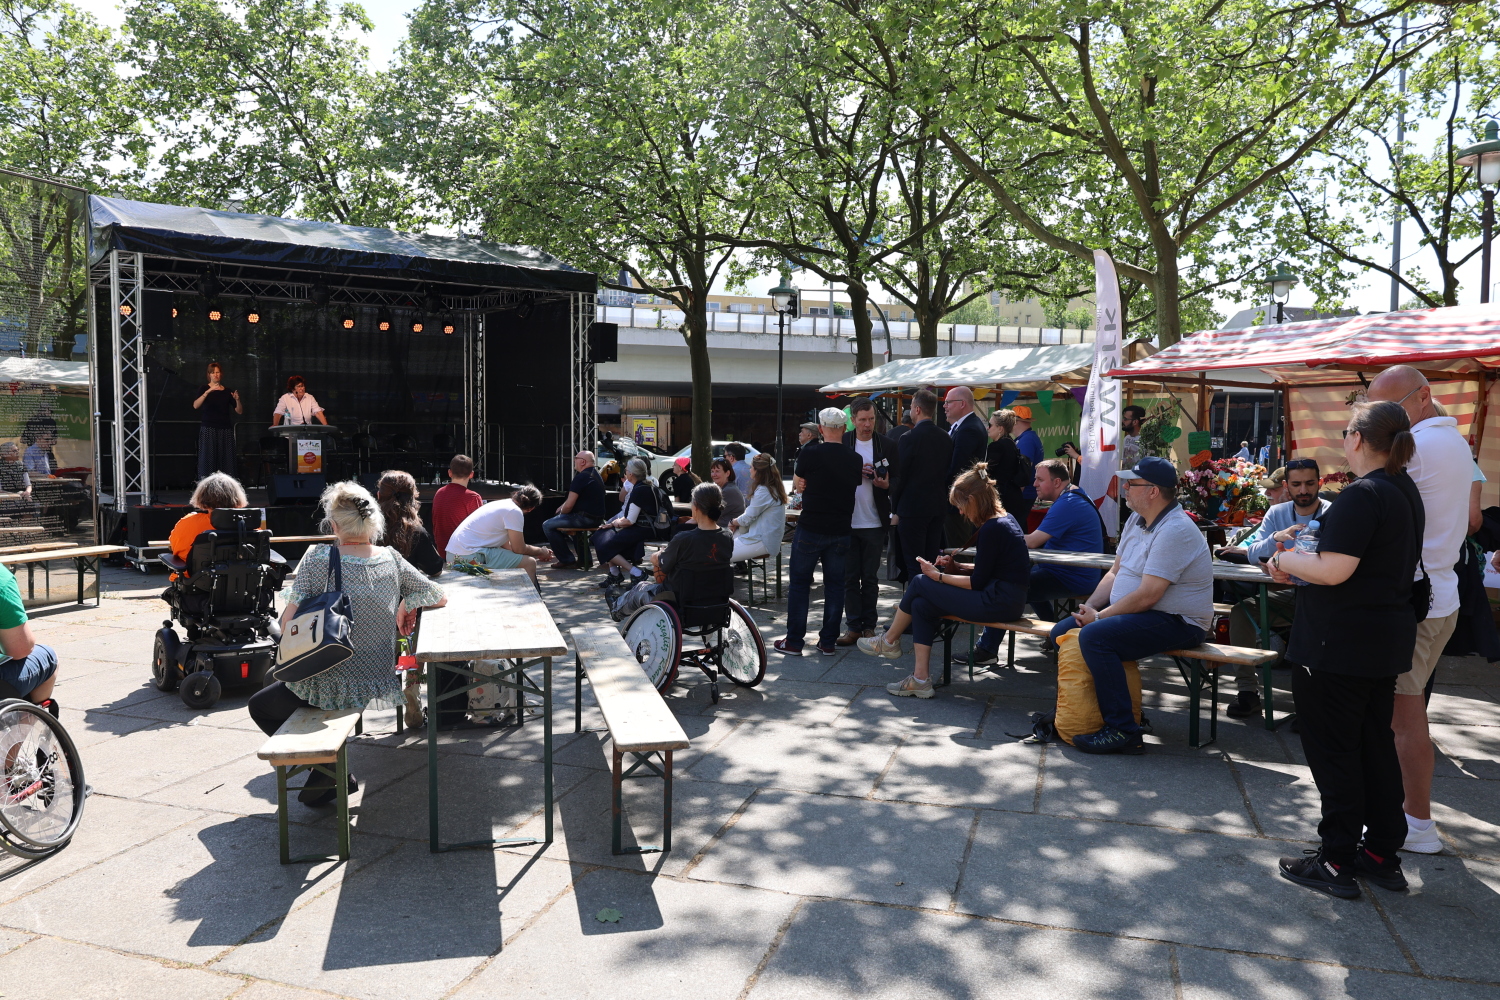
{"points": [[530, 384], [403, 389]]}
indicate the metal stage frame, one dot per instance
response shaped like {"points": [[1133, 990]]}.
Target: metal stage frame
{"points": [[125, 276]]}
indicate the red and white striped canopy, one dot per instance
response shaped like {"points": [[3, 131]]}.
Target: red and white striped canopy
{"points": [[1457, 339]]}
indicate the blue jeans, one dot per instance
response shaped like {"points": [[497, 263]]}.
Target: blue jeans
{"points": [[807, 549], [24, 675], [927, 601], [1107, 643], [1041, 591], [560, 542]]}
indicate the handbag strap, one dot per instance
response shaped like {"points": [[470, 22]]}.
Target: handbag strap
{"points": [[335, 577]]}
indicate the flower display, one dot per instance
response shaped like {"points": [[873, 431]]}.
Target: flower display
{"points": [[1218, 491]]}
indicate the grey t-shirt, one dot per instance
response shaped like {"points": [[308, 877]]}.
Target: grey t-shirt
{"points": [[1174, 549]]}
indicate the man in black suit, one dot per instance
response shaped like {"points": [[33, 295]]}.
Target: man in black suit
{"points": [[870, 527], [919, 496], [970, 439]]}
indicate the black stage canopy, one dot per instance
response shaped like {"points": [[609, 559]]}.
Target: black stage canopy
{"points": [[237, 238]]}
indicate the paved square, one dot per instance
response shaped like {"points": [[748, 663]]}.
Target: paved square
{"points": [[829, 841]]}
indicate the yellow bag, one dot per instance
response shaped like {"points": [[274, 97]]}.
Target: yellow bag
{"points": [[1077, 704]]}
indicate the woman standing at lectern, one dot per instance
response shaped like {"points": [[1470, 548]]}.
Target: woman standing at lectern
{"points": [[218, 403], [296, 405]]}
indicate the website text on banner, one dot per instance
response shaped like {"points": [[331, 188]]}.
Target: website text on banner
{"points": [[1099, 431]]}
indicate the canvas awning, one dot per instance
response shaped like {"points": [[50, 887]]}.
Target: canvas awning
{"points": [[73, 374], [1456, 340], [1015, 367]]}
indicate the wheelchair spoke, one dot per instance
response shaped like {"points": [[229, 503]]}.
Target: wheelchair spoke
{"points": [[40, 784]]}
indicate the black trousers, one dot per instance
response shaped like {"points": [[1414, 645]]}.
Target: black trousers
{"points": [[862, 576], [920, 536], [272, 705], [1346, 736]]}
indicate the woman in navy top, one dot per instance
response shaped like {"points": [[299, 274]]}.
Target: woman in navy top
{"points": [[621, 543], [992, 589]]}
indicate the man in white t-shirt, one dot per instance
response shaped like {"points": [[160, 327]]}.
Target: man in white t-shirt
{"points": [[1442, 467], [871, 525], [495, 535]]}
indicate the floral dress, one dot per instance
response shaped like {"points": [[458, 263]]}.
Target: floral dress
{"points": [[375, 586]]}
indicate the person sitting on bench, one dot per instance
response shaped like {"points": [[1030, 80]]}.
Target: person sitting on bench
{"points": [[29, 669], [582, 508], [495, 535], [1159, 595], [622, 542], [760, 530], [1072, 524], [992, 589]]}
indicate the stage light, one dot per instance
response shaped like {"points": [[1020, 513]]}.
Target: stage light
{"points": [[416, 324], [346, 319], [383, 320], [174, 312], [126, 309], [252, 314], [214, 315], [320, 294], [450, 325]]}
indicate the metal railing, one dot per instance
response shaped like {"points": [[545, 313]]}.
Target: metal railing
{"points": [[653, 318]]}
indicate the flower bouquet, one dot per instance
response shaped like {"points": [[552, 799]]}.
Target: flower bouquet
{"points": [[1216, 491]]}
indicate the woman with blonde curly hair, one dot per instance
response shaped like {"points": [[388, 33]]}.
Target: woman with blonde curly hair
{"points": [[990, 589], [385, 592]]}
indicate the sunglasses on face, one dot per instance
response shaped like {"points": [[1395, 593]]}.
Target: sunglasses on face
{"points": [[1304, 463], [1349, 431]]}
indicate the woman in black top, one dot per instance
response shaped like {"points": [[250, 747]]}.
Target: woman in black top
{"points": [[991, 589], [1355, 630], [1005, 463], [218, 404], [404, 531]]}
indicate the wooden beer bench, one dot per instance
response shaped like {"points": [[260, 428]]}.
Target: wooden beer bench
{"points": [[85, 558]]}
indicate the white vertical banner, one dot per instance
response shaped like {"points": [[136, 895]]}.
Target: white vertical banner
{"points": [[1099, 430]]}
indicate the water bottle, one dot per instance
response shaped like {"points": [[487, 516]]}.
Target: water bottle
{"points": [[1306, 541]]}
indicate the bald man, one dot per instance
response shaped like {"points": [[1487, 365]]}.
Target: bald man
{"points": [[1442, 468], [970, 438]]}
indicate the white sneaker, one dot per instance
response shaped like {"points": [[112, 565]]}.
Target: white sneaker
{"points": [[877, 646], [911, 688], [1422, 841]]}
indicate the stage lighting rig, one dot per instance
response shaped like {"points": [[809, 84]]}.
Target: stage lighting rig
{"points": [[346, 318], [252, 313], [450, 324], [383, 320]]}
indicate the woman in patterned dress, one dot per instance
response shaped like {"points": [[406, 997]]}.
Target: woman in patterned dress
{"points": [[385, 592]]}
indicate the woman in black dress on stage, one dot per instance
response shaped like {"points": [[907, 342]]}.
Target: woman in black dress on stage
{"points": [[218, 404]]}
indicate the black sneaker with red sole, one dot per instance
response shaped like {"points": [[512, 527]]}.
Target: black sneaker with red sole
{"points": [[1316, 872], [1384, 872]]}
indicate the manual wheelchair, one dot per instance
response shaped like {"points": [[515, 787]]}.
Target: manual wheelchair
{"points": [[41, 780], [715, 638], [225, 597]]}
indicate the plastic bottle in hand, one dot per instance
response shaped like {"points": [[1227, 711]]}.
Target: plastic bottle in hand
{"points": [[1306, 541]]}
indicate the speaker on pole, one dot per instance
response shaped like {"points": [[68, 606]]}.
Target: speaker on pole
{"points": [[604, 342]]}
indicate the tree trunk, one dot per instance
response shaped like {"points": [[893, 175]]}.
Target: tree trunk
{"points": [[695, 329], [1168, 286], [927, 331], [859, 307]]}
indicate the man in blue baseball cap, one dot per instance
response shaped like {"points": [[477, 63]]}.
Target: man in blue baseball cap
{"points": [[1159, 595]]}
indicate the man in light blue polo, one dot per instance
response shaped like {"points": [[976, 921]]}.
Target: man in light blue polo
{"points": [[1159, 595]]}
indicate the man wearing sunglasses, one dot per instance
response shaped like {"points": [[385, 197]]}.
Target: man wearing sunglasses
{"points": [[1159, 595], [1301, 481]]}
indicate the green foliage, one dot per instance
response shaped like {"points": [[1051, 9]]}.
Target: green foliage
{"points": [[976, 310], [267, 106]]}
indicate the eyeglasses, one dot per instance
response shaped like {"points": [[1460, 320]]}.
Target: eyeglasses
{"points": [[1349, 431], [1128, 483], [1304, 463]]}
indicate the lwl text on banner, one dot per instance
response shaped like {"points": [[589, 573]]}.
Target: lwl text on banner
{"points": [[1099, 430]]}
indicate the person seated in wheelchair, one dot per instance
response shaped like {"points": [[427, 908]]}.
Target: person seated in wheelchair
{"points": [[213, 491], [694, 570], [28, 669]]}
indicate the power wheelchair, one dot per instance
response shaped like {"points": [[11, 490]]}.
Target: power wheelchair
{"points": [[225, 597]]}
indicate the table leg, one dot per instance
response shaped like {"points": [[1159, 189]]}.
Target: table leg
{"points": [[547, 742], [432, 756]]}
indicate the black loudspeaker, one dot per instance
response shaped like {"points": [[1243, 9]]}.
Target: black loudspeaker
{"points": [[156, 315], [144, 525], [301, 490], [604, 342]]}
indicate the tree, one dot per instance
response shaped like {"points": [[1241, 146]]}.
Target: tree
{"points": [[65, 112], [267, 105], [1346, 201], [1185, 112], [613, 137]]}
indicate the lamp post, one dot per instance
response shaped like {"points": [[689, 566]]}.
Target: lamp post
{"points": [[783, 299], [1281, 281], [1484, 159]]}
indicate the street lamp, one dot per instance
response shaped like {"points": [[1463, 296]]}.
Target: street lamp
{"points": [[784, 301], [1484, 159], [1281, 281]]}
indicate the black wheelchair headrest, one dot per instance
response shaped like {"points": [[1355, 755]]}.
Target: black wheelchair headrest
{"points": [[236, 518]]}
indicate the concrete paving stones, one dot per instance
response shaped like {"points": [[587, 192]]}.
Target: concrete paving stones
{"points": [[48, 969], [829, 841], [672, 941], [845, 950]]}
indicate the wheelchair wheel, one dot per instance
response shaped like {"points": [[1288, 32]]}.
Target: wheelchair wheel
{"points": [[41, 787], [654, 635], [164, 672], [201, 690], [744, 657]]}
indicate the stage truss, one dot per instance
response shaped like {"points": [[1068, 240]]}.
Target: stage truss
{"points": [[129, 479], [585, 403]]}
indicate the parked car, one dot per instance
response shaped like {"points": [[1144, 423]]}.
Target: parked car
{"points": [[661, 463]]}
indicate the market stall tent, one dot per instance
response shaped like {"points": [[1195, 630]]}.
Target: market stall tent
{"points": [[1025, 368], [1323, 364]]}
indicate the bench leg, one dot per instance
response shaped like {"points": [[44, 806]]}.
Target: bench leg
{"points": [[281, 821], [1010, 651], [1196, 675], [617, 797], [578, 694], [340, 775], [666, 804], [616, 806], [341, 780]]}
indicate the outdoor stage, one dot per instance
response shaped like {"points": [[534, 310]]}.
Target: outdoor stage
{"points": [[417, 347]]}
